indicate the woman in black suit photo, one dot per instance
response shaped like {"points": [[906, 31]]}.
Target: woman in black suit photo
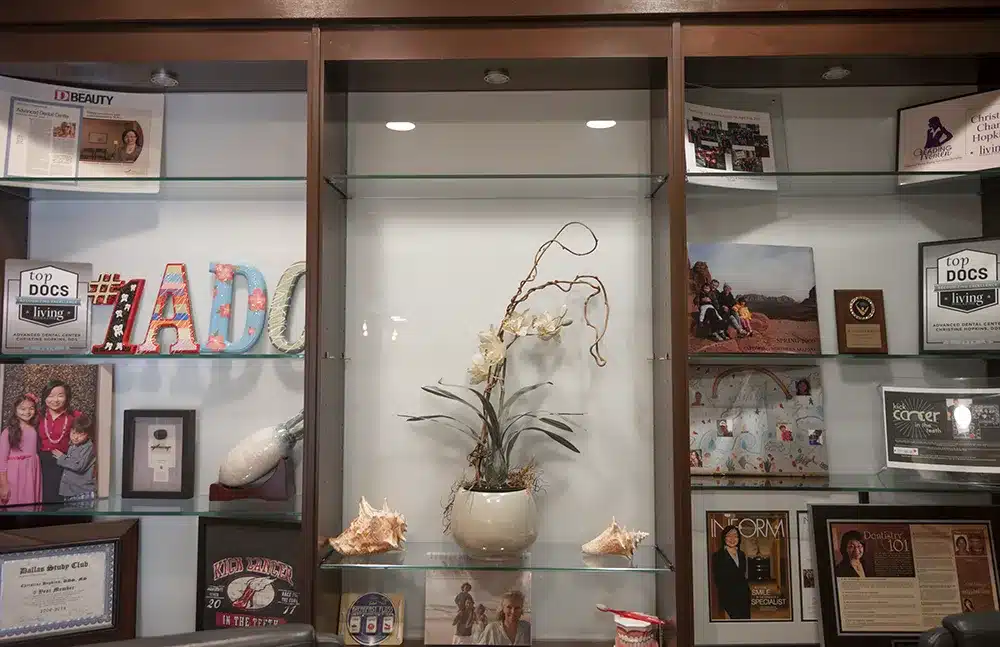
{"points": [[852, 550], [729, 574]]}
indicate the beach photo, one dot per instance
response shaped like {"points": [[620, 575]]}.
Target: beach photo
{"points": [[477, 608]]}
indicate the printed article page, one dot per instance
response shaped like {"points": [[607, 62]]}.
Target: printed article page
{"points": [[895, 577], [51, 133]]}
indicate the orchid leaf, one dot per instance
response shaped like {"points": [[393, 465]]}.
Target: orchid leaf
{"points": [[556, 437], [448, 395], [491, 420], [454, 423], [510, 445], [517, 394], [558, 424]]}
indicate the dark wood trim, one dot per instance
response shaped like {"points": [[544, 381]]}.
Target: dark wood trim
{"points": [[529, 42], [843, 38], [158, 45], [73, 11], [677, 200], [14, 213], [314, 196], [125, 534]]}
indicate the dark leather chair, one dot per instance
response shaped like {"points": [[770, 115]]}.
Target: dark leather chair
{"points": [[978, 629], [291, 635]]}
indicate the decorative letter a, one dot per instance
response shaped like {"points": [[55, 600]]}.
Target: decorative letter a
{"points": [[174, 287]]}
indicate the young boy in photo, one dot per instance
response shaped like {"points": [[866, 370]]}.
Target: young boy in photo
{"points": [[78, 478]]}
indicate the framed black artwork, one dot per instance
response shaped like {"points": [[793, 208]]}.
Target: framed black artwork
{"points": [[888, 573], [69, 584], [248, 573], [159, 454]]}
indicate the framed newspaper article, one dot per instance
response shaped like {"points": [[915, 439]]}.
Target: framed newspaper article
{"points": [[888, 573]]}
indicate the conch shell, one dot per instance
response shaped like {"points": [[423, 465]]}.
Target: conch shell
{"points": [[372, 531], [615, 540]]}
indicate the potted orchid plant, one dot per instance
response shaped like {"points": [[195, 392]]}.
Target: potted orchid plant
{"points": [[491, 511]]}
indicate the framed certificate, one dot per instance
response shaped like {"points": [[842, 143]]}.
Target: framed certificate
{"points": [[68, 585], [888, 573]]}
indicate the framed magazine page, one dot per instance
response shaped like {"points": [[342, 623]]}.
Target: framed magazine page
{"points": [[875, 564]]}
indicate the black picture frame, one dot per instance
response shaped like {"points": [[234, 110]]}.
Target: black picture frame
{"points": [[229, 548], [124, 536], [821, 516], [953, 349], [131, 489]]}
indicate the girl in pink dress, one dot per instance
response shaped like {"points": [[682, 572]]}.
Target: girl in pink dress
{"points": [[20, 472]]}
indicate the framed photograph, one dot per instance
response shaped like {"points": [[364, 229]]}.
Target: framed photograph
{"points": [[97, 138], [959, 288], [159, 454], [477, 608], [752, 299], [55, 443], [69, 585], [248, 572], [889, 573], [749, 566]]}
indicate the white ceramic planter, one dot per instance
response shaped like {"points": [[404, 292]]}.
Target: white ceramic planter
{"points": [[494, 525]]}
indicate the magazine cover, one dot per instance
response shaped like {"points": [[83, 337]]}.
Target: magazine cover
{"points": [[55, 446], [56, 132], [371, 618], [45, 308], [477, 608], [757, 420], [725, 143], [752, 299], [749, 567]]}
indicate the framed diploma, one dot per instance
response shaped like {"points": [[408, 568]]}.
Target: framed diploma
{"points": [[248, 573], [959, 286], [159, 454], [886, 574], [68, 585], [861, 325]]}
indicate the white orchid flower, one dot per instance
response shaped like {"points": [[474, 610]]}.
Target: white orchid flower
{"points": [[491, 347], [547, 325], [518, 323], [479, 372]]}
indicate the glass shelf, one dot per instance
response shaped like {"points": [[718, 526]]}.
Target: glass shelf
{"points": [[798, 358], [446, 556], [498, 186], [885, 481], [198, 506], [212, 357], [835, 184], [197, 189]]}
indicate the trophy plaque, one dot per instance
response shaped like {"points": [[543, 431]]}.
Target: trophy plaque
{"points": [[860, 321]]}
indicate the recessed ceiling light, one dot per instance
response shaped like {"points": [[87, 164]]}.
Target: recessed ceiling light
{"points": [[836, 73], [163, 78], [497, 76], [601, 124], [400, 126]]}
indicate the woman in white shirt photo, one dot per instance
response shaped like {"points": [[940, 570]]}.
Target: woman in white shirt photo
{"points": [[508, 628]]}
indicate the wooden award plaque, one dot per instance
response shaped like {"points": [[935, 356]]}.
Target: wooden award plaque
{"points": [[860, 321]]}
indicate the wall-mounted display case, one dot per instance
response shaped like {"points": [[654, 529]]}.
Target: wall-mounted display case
{"points": [[418, 170]]}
